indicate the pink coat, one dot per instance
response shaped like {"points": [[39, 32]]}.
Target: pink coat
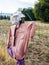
{"points": [[25, 32]]}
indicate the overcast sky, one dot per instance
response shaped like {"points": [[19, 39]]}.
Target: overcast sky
{"points": [[11, 6]]}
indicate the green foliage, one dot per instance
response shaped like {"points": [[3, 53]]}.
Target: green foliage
{"points": [[1, 17], [41, 10], [29, 15], [8, 17], [4, 17]]}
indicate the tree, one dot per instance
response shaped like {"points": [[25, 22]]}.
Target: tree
{"points": [[41, 10], [1, 17], [4, 17], [28, 12], [8, 17]]}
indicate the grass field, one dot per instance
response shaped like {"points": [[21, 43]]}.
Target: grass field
{"points": [[38, 48]]}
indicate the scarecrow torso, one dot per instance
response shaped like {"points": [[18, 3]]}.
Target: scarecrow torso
{"points": [[22, 38]]}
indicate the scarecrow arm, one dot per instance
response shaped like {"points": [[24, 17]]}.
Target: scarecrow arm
{"points": [[32, 31], [8, 38]]}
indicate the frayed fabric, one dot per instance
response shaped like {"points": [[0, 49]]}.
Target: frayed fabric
{"points": [[20, 62], [11, 52]]}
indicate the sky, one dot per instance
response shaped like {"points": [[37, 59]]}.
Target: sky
{"points": [[11, 6]]}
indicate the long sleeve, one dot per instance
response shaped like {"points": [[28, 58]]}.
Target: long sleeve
{"points": [[32, 31], [8, 37], [26, 42], [29, 36]]}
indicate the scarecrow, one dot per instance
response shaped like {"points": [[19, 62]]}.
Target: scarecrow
{"points": [[18, 37]]}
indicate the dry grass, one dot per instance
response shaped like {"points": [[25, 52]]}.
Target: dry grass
{"points": [[38, 49]]}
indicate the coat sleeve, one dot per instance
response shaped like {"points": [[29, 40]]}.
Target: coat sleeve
{"points": [[8, 37], [32, 31]]}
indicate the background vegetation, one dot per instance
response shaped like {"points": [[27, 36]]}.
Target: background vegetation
{"points": [[4, 17], [29, 15], [41, 10]]}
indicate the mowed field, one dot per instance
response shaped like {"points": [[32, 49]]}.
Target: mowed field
{"points": [[38, 48]]}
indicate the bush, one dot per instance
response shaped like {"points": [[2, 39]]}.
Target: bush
{"points": [[1, 17], [29, 15], [4, 17], [41, 10]]}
